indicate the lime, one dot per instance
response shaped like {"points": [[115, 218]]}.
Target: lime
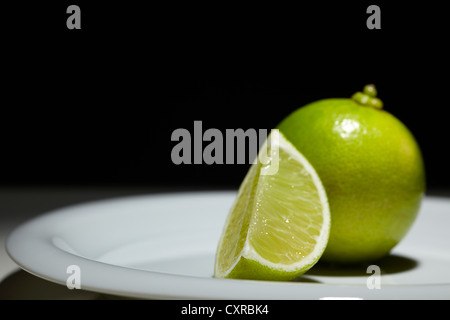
{"points": [[371, 167], [279, 224]]}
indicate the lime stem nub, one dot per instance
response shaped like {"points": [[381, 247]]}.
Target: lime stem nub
{"points": [[368, 97], [370, 90]]}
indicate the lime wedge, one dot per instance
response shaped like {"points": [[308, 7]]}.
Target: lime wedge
{"points": [[278, 227]]}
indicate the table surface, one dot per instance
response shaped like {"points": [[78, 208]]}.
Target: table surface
{"points": [[18, 204]]}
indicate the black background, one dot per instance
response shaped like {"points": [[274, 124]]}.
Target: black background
{"points": [[99, 105]]}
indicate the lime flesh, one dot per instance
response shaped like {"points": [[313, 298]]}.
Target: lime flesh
{"points": [[279, 224]]}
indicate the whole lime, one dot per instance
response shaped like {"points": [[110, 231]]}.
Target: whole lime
{"points": [[371, 167]]}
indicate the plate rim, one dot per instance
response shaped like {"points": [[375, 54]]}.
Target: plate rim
{"points": [[164, 284]]}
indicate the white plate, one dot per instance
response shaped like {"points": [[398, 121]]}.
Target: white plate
{"points": [[163, 246]]}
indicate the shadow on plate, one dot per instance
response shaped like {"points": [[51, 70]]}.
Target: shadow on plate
{"points": [[388, 265], [22, 285], [305, 279]]}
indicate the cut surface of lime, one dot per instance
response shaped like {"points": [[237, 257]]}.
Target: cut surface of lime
{"points": [[278, 227]]}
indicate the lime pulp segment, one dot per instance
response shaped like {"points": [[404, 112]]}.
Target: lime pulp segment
{"points": [[279, 224]]}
